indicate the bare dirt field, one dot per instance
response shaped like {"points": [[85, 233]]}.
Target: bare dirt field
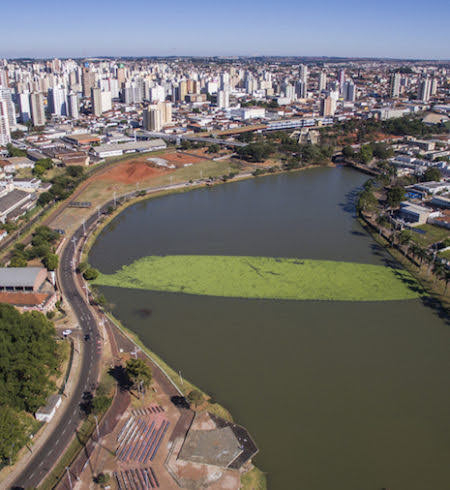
{"points": [[131, 172]]}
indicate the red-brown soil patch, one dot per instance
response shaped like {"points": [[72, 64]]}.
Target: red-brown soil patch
{"points": [[131, 172]]}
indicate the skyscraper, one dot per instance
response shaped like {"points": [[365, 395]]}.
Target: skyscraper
{"points": [[73, 106], [57, 101], [341, 81], [6, 96], [5, 135], [223, 99], [96, 101], [24, 107], [152, 120], [424, 89], [328, 106], [322, 81], [304, 74], [87, 80], [37, 109], [395, 85], [349, 91], [156, 116]]}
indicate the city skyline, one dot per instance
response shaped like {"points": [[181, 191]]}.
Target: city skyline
{"points": [[246, 28]]}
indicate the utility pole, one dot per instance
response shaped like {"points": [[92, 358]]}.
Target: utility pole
{"points": [[181, 378], [96, 424], [70, 479], [85, 287], [115, 204], [84, 228]]}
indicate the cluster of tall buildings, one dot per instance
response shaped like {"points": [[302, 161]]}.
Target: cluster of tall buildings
{"points": [[35, 92]]}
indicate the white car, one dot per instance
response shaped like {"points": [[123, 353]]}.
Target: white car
{"points": [[67, 332]]}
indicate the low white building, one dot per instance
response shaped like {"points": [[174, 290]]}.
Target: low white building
{"points": [[45, 414], [104, 151]]}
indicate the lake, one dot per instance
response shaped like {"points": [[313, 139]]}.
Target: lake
{"points": [[337, 395]]}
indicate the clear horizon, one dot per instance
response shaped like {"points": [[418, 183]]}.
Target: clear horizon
{"points": [[399, 30]]}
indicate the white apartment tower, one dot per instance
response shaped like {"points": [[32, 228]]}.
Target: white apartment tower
{"points": [[322, 81], [396, 80], [5, 135], [57, 101], [424, 90], [5, 95]]}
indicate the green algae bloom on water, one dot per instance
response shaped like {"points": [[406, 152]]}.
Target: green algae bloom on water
{"points": [[265, 278]]}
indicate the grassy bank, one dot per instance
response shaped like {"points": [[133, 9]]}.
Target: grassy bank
{"points": [[265, 278], [433, 287]]}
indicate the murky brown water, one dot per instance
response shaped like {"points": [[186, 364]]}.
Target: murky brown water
{"points": [[337, 395]]}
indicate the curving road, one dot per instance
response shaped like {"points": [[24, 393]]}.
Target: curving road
{"points": [[42, 462]]}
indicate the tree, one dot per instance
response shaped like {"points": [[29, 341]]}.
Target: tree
{"points": [[395, 196], [367, 202], [214, 148], [28, 358], [100, 403], [90, 274], [75, 171], [45, 198], [195, 397], [102, 478], [382, 151], [139, 372], [51, 261], [365, 154], [348, 152], [12, 434], [432, 174], [404, 237]]}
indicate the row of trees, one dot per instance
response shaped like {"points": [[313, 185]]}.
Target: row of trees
{"points": [[28, 360]]}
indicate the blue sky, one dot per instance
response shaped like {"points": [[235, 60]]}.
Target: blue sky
{"points": [[395, 28]]}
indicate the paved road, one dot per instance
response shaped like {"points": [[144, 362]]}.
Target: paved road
{"points": [[47, 456], [43, 461]]}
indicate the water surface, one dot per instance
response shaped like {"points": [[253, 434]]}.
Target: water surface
{"points": [[337, 395]]}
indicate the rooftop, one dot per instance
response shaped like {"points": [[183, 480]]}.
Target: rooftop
{"points": [[19, 276]]}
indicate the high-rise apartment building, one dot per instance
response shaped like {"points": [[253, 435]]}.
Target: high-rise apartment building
{"points": [[349, 91], [424, 89], [96, 101], [322, 81], [304, 74], [24, 107], [328, 106], [395, 85], [57, 101], [37, 109], [5, 133], [223, 99], [6, 96], [87, 80], [73, 104], [156, 116]]}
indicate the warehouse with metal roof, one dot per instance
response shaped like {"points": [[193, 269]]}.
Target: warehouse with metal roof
{"points": [[22, 278]]}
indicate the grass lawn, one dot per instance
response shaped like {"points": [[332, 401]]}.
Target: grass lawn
{"points": [[254, 480], [432, 234], [265, 278]]}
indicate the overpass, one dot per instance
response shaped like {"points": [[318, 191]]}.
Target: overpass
{"points": [[196, 139]]}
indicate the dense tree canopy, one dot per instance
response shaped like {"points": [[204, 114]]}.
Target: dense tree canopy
{"points": [[27, 358]]}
